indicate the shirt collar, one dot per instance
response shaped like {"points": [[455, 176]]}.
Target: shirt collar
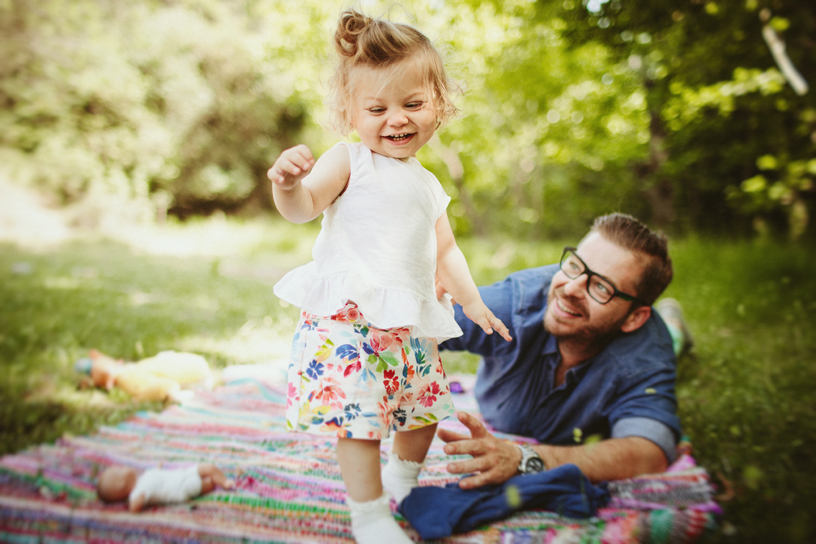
{"points": [[550, 346]]}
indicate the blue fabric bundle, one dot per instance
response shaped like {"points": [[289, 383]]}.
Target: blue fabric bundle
{"points": [[438, 512]]}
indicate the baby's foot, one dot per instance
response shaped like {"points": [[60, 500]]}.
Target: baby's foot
{"points": [[137, 503], [399, 476], [373, 523]]}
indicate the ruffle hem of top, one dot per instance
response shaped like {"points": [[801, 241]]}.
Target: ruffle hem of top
{"points": [[383, 307]]}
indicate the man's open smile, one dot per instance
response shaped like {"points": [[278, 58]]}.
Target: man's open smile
{"points": [[566, 309]]}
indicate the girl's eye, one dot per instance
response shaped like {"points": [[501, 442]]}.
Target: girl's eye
{"points": [[414, 105], [376, 110]]}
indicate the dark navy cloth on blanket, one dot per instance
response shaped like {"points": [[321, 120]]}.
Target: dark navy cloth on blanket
{"points": [[438, 512]]}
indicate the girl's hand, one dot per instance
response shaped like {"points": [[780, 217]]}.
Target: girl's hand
{"points": [[291, 167], [480, 314], [441, 291]]}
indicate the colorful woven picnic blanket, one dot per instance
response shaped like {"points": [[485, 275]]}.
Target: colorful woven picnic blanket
{"points": [[288, 486]]}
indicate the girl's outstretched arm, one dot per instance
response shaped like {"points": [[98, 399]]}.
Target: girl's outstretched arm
{"points": [[452, 271], [300, 197]]}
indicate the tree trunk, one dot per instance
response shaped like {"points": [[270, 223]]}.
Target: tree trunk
{"points": [[658, 190]]}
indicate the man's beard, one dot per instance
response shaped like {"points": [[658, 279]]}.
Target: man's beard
{"points": [[590, 339]]}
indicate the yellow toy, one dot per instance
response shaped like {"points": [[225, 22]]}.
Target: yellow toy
{"points": [[161, 377]]}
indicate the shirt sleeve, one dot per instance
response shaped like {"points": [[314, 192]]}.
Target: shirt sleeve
{"points": [[651, 430], [645, 404], [441, 198]]}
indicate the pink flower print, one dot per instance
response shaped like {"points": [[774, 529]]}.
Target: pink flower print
{"points": [[390, 381], [384, 410], [292, 395], [402, 334], [427, 395], [330, 395], [439, 369], [352, 368], [380, 341]]}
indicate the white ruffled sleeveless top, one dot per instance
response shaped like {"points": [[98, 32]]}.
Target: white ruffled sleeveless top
{"points": [[377, 248]]}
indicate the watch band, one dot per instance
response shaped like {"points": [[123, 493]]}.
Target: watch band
{"points": [[531, 462]]}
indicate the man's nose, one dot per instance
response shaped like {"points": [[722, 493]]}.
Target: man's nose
{"points": [[576, 287]]}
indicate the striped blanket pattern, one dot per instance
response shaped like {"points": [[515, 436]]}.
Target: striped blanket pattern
{"points": [[288, 486]]}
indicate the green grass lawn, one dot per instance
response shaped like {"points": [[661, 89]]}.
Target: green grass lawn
{"points": [[745, 393]]}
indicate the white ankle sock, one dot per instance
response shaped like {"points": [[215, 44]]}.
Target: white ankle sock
{"points": [[373, 523], [399, 477]]}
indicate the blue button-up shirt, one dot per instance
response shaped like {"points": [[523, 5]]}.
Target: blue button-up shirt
{"points": [[625, 390]]}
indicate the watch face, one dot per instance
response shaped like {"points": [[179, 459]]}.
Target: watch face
{"points": [[534, 465]]}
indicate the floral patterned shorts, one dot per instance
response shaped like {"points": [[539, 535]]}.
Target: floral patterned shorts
{"points": [[354, 380]]}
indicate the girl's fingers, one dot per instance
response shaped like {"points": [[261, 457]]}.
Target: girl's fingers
{"points": [[294, 162], [281, 169], [300, 157], [301, 152], [503, 331], [499, 326]]}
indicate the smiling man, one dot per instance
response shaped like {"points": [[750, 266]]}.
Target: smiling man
{"points": [[590, 373]]}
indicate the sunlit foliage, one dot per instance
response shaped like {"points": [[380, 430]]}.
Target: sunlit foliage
{"points": [[665, 109]]}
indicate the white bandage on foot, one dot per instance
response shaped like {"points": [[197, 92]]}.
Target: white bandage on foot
{"points": [[373, 523], [399, 477]]}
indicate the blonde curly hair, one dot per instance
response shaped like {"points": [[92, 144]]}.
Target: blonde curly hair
{"points": [[366, 42]]}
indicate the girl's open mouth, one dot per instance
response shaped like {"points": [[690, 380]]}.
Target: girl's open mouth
{"points": [[400, 137]]}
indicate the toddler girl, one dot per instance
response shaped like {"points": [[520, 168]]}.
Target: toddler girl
{"points": [[364, 356]]}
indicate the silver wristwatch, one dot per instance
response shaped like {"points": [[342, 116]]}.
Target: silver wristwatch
{"points": [[531, 462]]}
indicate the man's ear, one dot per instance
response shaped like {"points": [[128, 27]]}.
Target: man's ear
{"points": [[636, 319]]}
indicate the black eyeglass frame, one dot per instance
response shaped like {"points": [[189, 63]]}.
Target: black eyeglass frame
{"points": [[589, 272]]}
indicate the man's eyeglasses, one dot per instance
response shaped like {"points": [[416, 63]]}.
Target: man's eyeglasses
{"points": [[599, 288]]}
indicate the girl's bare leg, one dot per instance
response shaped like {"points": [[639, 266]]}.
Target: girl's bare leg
{"points": [[413, 445], [360, 466]]}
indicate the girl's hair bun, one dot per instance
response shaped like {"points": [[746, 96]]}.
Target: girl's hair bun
{"points": [[349, 28]]}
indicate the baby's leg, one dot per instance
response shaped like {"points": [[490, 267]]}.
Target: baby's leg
{"points": [[413, 445], [401, 473], [360, 466], [371, 518]]}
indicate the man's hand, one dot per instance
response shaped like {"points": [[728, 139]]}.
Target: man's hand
{"points": [[494, 461]]}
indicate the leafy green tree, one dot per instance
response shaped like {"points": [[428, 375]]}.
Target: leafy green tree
{"points": [[169, 104], [731, 138], [547, 130], [677, 112]]}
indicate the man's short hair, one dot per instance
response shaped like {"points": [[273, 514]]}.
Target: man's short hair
{"points": [[630, 233]]}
